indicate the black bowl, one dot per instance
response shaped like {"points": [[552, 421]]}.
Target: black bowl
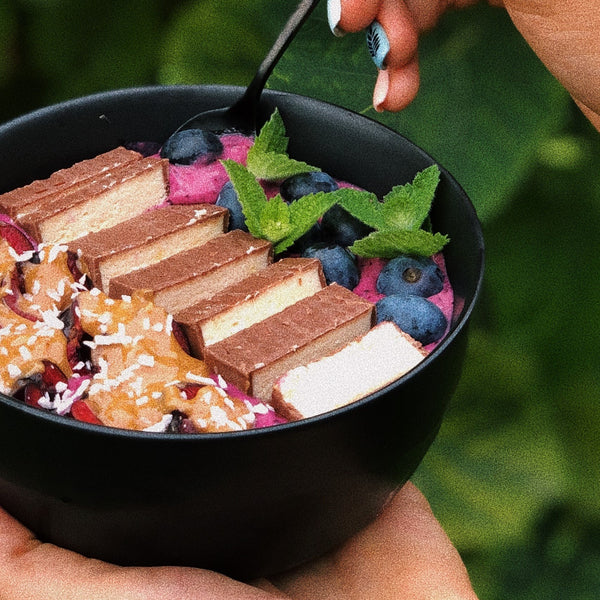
{"points": [[248, 503]]}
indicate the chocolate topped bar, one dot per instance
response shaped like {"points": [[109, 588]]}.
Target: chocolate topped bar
{"points": [[186, 277], [15, 202], [362, 367], [254, 358], [251, 300], [107, 199], [147, 239]]}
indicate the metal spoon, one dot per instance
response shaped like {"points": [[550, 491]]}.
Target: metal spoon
{"points": [[242, 115]]}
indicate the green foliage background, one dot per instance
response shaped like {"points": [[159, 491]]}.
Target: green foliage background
{"points": [[514, 473]]}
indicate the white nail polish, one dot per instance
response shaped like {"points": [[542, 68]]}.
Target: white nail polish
{"points": [[381, 90], [334, 16]]}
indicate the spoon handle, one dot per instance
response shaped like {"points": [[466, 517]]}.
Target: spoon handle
{"points": [[254, 90]]}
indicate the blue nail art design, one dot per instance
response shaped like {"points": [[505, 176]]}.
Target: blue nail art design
{"points": [[378, 44]]}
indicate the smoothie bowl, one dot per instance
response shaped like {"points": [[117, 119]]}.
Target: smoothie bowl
{"points": [[252, 486]]}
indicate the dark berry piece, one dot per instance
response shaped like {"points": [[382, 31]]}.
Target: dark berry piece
{"points": [[415, 315], [228, 198], [144, 148], [340, 227], [339, 265], [312, 236], [192, 145], [410, 275], [303, 184], [181, 423]]}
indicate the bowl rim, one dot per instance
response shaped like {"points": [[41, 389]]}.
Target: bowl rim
{"points": [[149, 436]]}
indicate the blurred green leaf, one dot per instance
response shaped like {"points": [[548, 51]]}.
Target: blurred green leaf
{"points": [[485, 100], [220, 42], [7, 40], [82, 47], [498, 453]]}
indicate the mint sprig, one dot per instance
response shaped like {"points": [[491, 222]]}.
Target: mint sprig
{"points": [[398, 220], [275, 220], [268, 158]]}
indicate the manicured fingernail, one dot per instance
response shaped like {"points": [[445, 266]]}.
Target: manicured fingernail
{"points": [[334, 16], [378, 44], [381, 90]]}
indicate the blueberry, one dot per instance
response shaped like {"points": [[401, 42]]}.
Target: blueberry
{"points": [[339, 265], [410, 275], [341, 227], [415, 315], [228, 198], [311, 237], [296, 186], [192, 145]]}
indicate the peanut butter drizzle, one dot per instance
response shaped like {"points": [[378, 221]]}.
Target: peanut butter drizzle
{"points": [[141, 367], [48, 284], [25, 343]]}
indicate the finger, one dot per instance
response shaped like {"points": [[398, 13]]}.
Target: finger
{"points": [[31, 570], [351, 15], [396, 88], [404, 554], [399, 27]]}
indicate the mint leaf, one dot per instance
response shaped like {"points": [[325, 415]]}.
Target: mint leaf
{"points": [[272, 136], [275, 220], [407, 206], [271, 166], [304, 213], [391, 243], [268, 159], [250, 194], [363, 205]]}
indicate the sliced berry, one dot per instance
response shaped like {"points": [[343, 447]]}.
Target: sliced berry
{"points": [[189, 390], [228, 198], [192, 146], [415, 315], [13, 299], [16, 237], [303, 184], [410, 275], [342, 228], [31, 394], [339, 265], [51, 376], [81, 411]]}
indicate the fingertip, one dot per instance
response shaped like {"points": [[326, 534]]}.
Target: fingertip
{"points": [[350, 16], [395, 89]]}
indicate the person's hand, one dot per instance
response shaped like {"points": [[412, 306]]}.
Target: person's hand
{"points": [[563, 34], [403, 554]]}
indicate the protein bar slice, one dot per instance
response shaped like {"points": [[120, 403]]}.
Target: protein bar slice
{"points": [[250, 301], [184, 278], [364, 366], [254, 358], [147, 239]]}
